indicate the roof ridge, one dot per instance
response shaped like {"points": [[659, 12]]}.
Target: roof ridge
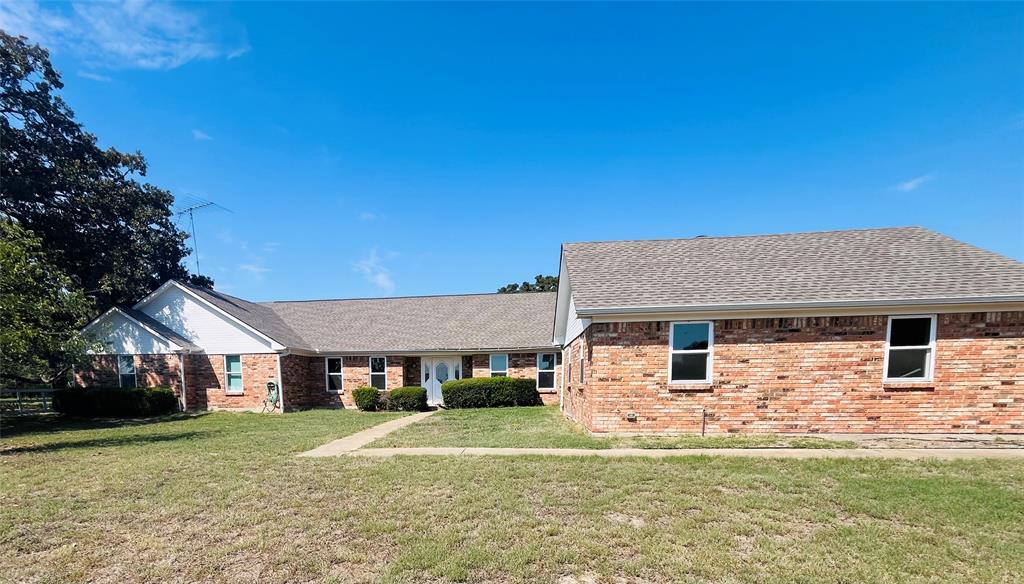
{"points": [[756, 235], [401, 297]]}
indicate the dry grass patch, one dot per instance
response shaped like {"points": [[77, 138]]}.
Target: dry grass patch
{"points": [[546, 427], [222, 498]]}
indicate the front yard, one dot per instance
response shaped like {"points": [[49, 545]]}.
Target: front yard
{"points": [[546, 427], [222, 498]]}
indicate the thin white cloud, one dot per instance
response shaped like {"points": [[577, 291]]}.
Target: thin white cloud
{"points": [[94, 76], [129, 34], [367, 216], [375, 272], [271, 246], [914, 183], [254, 270], [201, 135]]}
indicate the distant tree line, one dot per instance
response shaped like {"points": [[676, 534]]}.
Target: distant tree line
{"points": [[540, 284]]}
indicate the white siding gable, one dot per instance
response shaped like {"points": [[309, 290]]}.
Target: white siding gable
{"points": [[204, 326], [568, 324], [124, 336], [575, 325]]}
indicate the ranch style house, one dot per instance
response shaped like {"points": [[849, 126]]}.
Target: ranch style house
{"points": [[896, 330]]}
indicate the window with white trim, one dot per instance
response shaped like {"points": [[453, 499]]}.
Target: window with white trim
{"points": [[690, 349], [499, 365], [910, 348], [545, 370], [583, 378], [334, 376], [233, 374], [126, 371], [568, 364], [379, 372]]}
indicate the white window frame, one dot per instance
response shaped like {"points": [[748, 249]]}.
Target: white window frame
{"points": [[327, 375], [708, 372], [568, 364], [583, 369], [369, 367], [490, 364], [135, 371], [227, 378], [552, 371], [929, 363]]}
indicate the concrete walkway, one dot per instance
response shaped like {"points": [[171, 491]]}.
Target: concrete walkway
{"points": [[359, 439], [801, 453]]}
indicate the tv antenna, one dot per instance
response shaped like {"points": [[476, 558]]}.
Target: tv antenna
{"points": [[197, 204]]}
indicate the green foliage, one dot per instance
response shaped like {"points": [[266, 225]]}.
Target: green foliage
{"points": [[115, 402], [366, 398], [541, 284], [111, 234], [407, 399], [41, 312], [490, 392]]}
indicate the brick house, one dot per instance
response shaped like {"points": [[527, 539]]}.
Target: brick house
{"points": [[867, 331], [219, 352]]}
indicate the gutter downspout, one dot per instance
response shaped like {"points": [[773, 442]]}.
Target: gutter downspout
{"points": [[561, 390], [280, 383], [184, 390]]}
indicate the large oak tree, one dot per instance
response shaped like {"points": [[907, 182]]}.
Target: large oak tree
{"points": [[112, 234]]}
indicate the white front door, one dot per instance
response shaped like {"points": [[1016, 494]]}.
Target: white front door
{"points": [[435, 371]]}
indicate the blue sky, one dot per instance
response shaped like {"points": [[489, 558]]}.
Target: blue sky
{"points": [[391, 149]]}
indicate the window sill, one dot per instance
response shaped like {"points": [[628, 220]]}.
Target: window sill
{"points": [[234, 393], [908, 386], [552, 390], [690, 387]]}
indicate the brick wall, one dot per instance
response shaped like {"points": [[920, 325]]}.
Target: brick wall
{"points": [[97, 371], [305, 384], [519, 365], [821, 374], [150, 371], [412, 372], [205, 381]]}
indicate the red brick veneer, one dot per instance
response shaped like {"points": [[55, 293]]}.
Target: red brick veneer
{"points": [[821, 374]]}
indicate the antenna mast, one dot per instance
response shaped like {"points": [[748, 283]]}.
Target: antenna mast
{"points": [[192, 224]]}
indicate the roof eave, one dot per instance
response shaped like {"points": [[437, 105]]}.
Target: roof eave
{"points": [[878, 303]]}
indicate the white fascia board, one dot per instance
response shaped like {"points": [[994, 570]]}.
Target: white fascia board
{"points": [[859, 307], [141, 324], [562, 298], [274, 345], [415, 353]]}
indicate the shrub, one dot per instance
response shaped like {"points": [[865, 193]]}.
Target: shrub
{"points": [[114, 402], [366, 398], [162, 401], [493, 392], [407, 399]]}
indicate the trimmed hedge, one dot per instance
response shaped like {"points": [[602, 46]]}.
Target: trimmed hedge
{"points": [[407, 399], [366, 398], [490, 392], [115, 402]]}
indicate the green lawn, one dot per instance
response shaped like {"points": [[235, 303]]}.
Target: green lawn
{"points": [[546, 427], [221, 498]]}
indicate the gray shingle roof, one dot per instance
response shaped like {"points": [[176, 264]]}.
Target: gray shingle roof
{"points": [[906, 263], [411, 324], [162, 329], [425, 323], [258, 316]]}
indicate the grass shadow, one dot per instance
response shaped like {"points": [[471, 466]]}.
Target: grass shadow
{"points": [[12, 426], [101, 443]]}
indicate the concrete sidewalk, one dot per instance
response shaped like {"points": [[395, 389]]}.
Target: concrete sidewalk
{"points": [[799, 453], [359, 439]]}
